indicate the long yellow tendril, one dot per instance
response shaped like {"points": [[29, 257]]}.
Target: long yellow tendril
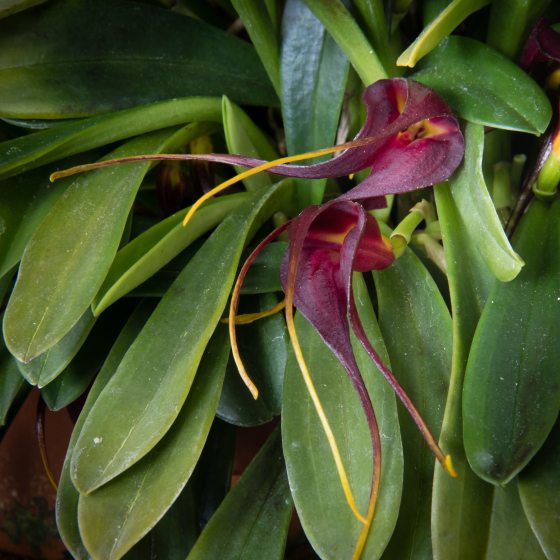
{"points": [[248, 318], [259, 169]]}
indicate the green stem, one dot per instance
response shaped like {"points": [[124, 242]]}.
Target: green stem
{"points": [[510, 21]]}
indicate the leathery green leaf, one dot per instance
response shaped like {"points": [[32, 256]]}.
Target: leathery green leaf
{"points": [[9, 7], [477, 210], [33, 150], [539, 490], [24, 202], [264, 275], [47, 366], [66, 260], [509, 528], [154, 378], [79, 373], [258, 22], [244, 137], [314, 72], [263, 346], [511, 395], [340, 23], [115, 517], [11, 382], [151, 250], [484, 87], [67, 496], [439, 28], [176, 532], [127, 54], [252, 522], [325, 516], [461, 507], [518, 17], [416, 327]]}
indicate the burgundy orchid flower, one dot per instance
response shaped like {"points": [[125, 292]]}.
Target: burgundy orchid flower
{"points": [[410, 140], [542, 46]]}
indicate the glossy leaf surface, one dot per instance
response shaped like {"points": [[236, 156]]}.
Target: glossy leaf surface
{"points": [[539, 490], [477, 210], [39, 148], [244, 137], [24, 202], [259, 25], [252, 522], [511, 395], [153, 249], [264, 274], [416, 327], [446, 21], [47, 366], [340, 23], [264, 348], [461, 507], [327, 520], [128, 54], [11, 383], [67, 496], [78, 375], [314, 72], [72, 250], [9, 7], [155, 376], [115, 517], [484, 87], [509, 528]]}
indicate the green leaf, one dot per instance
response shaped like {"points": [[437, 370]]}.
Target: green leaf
{"points": [[24, 202], [153, 249], [67, 496], [438, 29], [259, 26], [347, 33], [244, 137], [373, 18], [40, 148], [128, 54], [264, 274], [518, 17], [539, 490], [72, 250], [511, 395], [47, 366], [416, 327], [314, 72], [11, 383], [113, 518], [176, 532], [252, 522], [325, 516], [477, 210], [154, 377], [484, 87], [212, 478], [9, 7], [79, 373], [263, 348], [461, 507], [509, 529]]}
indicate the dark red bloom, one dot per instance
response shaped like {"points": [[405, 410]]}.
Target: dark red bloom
{"points": [[542, 45]]}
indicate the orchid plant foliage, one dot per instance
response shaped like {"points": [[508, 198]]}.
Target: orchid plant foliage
{"points": [[380, 271]]}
